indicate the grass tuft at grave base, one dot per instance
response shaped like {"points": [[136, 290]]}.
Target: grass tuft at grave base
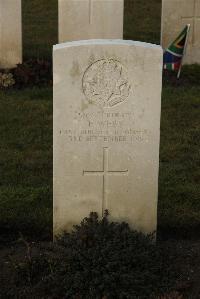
{"points": [[98, 259]]}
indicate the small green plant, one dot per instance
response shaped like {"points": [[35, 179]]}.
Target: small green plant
{"points": [[98, 259], [33, 72], [6, 80]]}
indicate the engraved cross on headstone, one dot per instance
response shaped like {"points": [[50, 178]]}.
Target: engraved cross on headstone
{"points": [[104, 173], [194, 19]]}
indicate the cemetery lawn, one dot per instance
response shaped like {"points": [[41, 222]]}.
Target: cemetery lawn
{"points": [[40, 28], [26, 133], [179, 191], [26, 162], [26, 146]]}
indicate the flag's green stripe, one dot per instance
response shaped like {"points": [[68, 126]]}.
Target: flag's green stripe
{"points": [[169, 66], [182, 35], [176, 50]]}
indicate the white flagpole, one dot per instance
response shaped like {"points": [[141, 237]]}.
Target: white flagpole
{"points": [[184, 51]]}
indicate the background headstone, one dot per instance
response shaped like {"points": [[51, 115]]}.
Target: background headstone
{"points": [[175, 15], [89, 19], [10, 33], [107, 98]]}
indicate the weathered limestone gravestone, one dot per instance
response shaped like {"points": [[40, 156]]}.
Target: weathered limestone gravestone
{"points": [[10, 33], [89, 19], [175, 15], [107, 98]]}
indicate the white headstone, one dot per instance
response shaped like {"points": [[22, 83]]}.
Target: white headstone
{"points": [[10, 33], [175, 15], [89, 19], [107, 98]]}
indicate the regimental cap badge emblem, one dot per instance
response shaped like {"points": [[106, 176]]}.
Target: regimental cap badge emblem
{"points": [[105, 83]]}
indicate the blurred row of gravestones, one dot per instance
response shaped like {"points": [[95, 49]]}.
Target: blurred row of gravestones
{"points": [[91, 19]]}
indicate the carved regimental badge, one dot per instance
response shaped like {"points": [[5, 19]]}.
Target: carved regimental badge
{"points": [[105, 83]]}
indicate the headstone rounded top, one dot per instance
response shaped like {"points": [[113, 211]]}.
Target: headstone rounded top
{"points": [[103, 42]]}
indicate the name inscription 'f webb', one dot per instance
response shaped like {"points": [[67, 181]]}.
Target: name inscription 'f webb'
{"points": [[104, 173]]}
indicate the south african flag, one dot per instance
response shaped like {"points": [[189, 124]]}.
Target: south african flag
{"points": [[173, 55]]}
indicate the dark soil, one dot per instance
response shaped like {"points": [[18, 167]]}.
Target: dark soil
{"points": [[184, 257]]}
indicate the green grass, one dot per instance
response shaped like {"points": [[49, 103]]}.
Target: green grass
{"points": [[40, 27], [142, 20], [179, 193], [26, 132], [26, 160], [40, 24]]}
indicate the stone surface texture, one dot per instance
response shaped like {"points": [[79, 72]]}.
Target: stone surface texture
{"points": [[10, 33], [175, 15], [107, 100], [89, 19]]}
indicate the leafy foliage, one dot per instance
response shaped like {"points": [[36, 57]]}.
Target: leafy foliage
{"points": [[33, 72], [6, 80], [99, 259]]}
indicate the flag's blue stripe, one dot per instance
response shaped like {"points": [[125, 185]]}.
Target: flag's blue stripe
{"points": [[178, 55], [170, 58]]}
